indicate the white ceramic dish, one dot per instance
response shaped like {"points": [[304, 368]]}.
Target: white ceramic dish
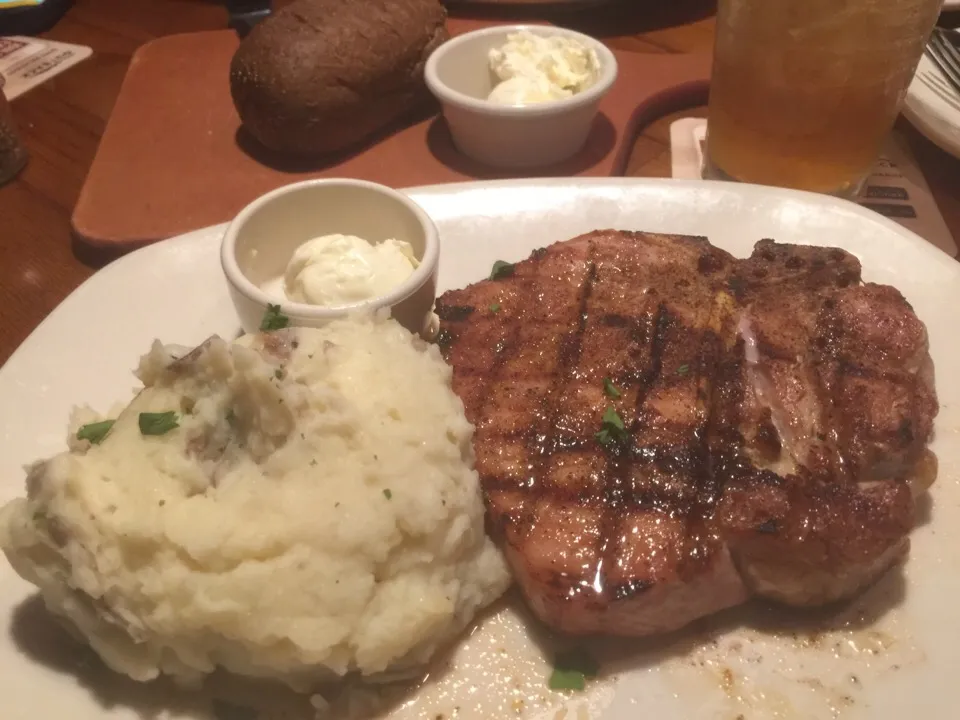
{"points": [[515, 136], [933, 107], [260, 241], [892, 655]]}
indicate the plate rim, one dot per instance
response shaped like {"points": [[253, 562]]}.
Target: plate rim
{"points": [[668, 184], [848, 214]]}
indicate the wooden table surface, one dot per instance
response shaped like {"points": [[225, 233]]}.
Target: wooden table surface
{"points": [[62, 121]]}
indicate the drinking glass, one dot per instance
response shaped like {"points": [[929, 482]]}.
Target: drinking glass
{"points": [[804, 92]]}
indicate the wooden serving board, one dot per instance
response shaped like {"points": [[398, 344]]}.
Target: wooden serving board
{"points": [[174, 158]]}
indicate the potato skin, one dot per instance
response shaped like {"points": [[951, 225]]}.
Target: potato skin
{"points": [[321, 75]]}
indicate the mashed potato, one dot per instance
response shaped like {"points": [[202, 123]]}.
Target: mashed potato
{"points": [[295, 505]]}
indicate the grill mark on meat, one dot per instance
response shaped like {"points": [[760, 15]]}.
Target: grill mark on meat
{"points": [[824, 362], [569, 355], [706, 502], [455, 313], [506, 349], [547, 444], [620, 463]]}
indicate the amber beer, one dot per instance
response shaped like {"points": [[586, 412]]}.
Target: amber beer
{"points": [[804, 91]]}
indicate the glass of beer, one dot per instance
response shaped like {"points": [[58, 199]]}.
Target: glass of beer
{"points": [[804, 92]]}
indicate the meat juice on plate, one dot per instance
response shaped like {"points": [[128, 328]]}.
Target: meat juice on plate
{"points": [[803, 92]]}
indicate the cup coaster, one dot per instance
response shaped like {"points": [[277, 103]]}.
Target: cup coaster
{"points": [[896, 189]]}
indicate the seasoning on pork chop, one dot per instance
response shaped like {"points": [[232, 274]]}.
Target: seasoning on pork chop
{"points": [[664, 430]]}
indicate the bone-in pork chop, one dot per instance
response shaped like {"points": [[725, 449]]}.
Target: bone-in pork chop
{"points": [[663, 430]]}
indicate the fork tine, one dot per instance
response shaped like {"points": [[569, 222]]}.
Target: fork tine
{"points": [[950, 70], [947, 51], [941, 88], [944, 70], [949, 38]]}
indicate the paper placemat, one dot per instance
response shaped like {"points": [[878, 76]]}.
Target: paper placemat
{"points": [[897, 188], [25, 62]]}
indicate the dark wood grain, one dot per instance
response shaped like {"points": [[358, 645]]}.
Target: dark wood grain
{"points": [[62, 120]]}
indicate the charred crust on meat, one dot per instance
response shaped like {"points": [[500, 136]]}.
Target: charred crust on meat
{"points": [[905, 431], [768, 527], [630, 589], [703, 449], [737, 286], [454, 313], [848, 278], [709, 263], [615, 320], [538, 253], [445, 339], [768, 439]]}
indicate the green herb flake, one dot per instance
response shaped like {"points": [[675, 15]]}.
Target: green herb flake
{"points": [[610, 390], [273, 319], [278, 373], [683, 369], [571, 670], [495, 307], [612, 430], [387, 494], [95, 432], [567, 680], [158, 423], [501, 269]]}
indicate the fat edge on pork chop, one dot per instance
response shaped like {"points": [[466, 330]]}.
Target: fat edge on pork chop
{"points": [[663, 430]]}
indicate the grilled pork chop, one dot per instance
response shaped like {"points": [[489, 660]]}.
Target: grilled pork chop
{"points": [[663, 430]]}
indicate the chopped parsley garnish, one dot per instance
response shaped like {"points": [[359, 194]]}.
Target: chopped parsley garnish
{"points": [[158, 423], [95, 432], [495, 307], [273, 319], [683, 370], [278, 373], [501, 269], [571, 670], [609, 389], [612, 430], [387, 494]]}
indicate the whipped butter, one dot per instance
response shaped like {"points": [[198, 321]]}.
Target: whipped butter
{"points": [[534, 69], [336, 270]]}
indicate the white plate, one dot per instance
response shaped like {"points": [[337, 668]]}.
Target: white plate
{"points": [[933, 106], [899, 662]]}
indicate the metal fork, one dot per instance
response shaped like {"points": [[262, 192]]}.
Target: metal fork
{"points": [[945, 55], [940, 87]]}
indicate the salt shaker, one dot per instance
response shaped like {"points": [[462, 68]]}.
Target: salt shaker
{"points": [[13, 153]]}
